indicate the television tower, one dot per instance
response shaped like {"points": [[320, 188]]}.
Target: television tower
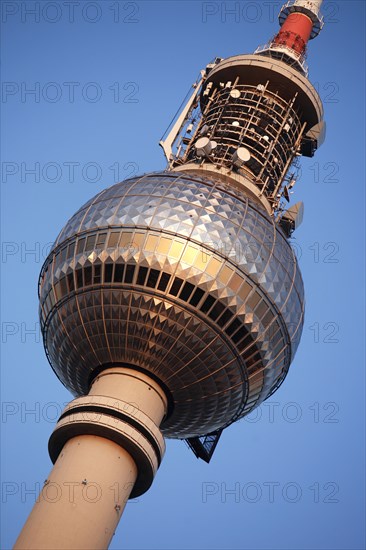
{"points": [[171, 303]]}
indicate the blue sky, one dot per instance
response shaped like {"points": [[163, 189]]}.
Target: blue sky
{"points": [[107, 79]]}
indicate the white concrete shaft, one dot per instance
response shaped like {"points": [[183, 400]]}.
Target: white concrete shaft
{"points": [[81, 503], [133, 387], [84, 496]]}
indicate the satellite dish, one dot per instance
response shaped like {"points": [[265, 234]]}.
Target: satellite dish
{"points": [[241, 156], [235, 93], [203, 146]]}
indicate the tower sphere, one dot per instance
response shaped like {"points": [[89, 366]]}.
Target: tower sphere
{"points": [[182, 277]]}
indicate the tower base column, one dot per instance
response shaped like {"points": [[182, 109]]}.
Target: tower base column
{"points": [[105, 450], [83, 498]]}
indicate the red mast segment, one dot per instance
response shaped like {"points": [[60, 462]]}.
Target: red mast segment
{"points": [[295, 32], [300, 21]]}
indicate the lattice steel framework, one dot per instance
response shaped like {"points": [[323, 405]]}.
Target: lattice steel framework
{"points": [[252, 116]]}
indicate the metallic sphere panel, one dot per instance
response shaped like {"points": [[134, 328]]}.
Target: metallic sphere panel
{"points": [[183, 277]]}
